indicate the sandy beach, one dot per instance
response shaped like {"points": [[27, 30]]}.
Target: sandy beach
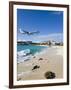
{"points": [[50, 59]]}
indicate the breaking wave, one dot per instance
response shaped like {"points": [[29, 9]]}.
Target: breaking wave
{"points": [[23, 55]]}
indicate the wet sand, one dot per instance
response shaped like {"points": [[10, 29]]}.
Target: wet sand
{"points": [[50, 59]]}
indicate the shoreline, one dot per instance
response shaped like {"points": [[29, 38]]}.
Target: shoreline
{"points": [[52, 60]]}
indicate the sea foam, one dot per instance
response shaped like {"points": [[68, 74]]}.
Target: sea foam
{"points": [[23, 52], [23, 55]]}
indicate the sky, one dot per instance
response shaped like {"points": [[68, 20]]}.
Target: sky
{"points": [[48, 23]]}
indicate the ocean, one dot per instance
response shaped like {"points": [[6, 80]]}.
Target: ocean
{"points": [[25, 52]]}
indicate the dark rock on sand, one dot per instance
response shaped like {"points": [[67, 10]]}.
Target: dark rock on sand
{"points": [[19, 79], [50, 75], [40, 58], [35, 67], [34, 57]]}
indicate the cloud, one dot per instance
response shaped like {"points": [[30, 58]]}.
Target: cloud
{"points": [[53, 36], [21, 39]]}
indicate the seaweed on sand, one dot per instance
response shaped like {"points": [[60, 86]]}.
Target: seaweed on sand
{"points": [[40, 58], [35, 67]]}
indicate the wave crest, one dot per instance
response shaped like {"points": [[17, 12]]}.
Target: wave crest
{"points": [[23, 55], [23, 52]]}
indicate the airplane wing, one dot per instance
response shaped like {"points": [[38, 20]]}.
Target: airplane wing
{"points": [[25, 31], [34, 32]]}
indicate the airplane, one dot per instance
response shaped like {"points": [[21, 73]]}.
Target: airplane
{"points": [[28, 33]]}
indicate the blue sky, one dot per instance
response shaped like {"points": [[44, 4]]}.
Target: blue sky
{"points": [[49, 23]]}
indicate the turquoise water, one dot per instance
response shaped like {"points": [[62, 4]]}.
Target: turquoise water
{"points": [[33, 48], [25, 52]]}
